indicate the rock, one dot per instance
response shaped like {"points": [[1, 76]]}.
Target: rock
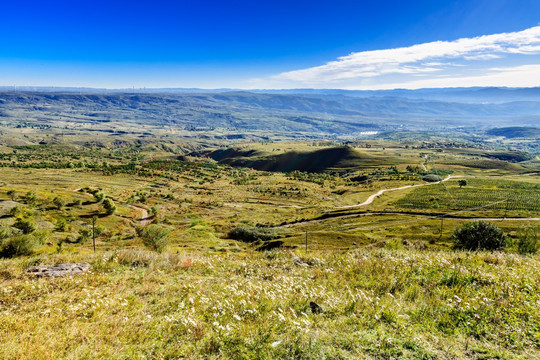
{"points": [[315, 308], [58, 270]]}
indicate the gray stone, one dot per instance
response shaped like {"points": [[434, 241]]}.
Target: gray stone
{"points": [[58, 270]]}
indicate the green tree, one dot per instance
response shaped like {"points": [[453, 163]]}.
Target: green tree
{"points": [[479, 235], [462, 183]]}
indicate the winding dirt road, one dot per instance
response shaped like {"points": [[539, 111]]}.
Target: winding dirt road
{"points": [[380, 192], [372, 198], [144, 219]]}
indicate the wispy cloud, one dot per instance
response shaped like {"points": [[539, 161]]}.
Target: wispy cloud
{"points": [[435, 60]]}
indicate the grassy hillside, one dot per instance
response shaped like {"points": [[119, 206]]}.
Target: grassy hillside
{"points": [[515, 132], [356, 230], [336, 158], [376, 304]]}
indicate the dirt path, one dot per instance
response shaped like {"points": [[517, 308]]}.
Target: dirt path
{"points": [[144, 218], [380, 192]]}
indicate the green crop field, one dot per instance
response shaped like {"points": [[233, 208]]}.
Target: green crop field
{"points": [[478, 194]]}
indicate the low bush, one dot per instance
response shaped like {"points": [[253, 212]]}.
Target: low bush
{"points": [[25, 225], [432, 178], [155, 237], [479, 235], [17, 246], [529, 240], [250, 235]]}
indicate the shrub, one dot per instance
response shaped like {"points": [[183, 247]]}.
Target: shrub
{"points": [[5, 233], [59, 202], [60, 225], [12, 194], [249, 235], [30, 198], [479, 235], [17, 246], [16, 211], [432, 178], [109, 206], [155, 237], [84, 234], [529, 240], [26, 226], [98, 196]]}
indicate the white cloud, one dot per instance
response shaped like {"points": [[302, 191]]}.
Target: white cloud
{"points": [[374, 68], [516, 76]]}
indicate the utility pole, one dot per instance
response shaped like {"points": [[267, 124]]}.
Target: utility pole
{"points": [[94, 219]]}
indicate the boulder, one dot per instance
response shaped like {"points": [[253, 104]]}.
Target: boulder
{"points": [[58, 270]]}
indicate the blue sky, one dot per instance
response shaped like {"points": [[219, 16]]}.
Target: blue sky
{"points": [[270, 44]]}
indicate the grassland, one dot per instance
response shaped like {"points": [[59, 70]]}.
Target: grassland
{"points": [[377, 304], [385, 274]]}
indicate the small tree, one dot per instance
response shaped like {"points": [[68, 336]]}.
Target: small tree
{"points": [[109, 206], [462, 183], [479, 235]]}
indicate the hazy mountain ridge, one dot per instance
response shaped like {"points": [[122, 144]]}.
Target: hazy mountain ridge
{"points": [[335, 111]]}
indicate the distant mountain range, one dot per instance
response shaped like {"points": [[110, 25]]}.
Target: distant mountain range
{"points": [[467, 95], [301, 110]]}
